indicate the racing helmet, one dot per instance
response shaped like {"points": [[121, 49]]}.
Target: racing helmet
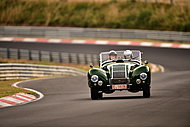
{"points": [[128, 54], [112, 55]]}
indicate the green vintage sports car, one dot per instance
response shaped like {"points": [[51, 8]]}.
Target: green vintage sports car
{"points": [[119, 70]]}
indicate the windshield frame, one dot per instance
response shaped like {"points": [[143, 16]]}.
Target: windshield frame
{"points": [[136, 59]]}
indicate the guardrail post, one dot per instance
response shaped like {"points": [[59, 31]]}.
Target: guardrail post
{"points": [[13, 53], [18, 53], [85, 58], [95, 59], [81, 59], [24, 54], [45, 56], [35, 55], [39, 55], [59, 57], [30, 55], [8, 53], [65, 58], [73, 57], [55, 57], [78, 62], [4, 52], [89, 58]]}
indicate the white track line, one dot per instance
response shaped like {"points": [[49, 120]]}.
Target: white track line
{"points": [[3, 104], [78, 41], [101, 42], [54, 40], [13, 99], [6, 39], [37, 92], [124, 43], [30, 39]]}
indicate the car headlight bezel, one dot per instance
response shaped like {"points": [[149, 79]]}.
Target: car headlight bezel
{"points": [[94, 78], [143, 76]]}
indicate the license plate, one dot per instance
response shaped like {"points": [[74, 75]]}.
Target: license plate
{"points": [[118, 87]]}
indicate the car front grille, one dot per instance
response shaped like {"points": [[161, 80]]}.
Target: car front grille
{"points": [[119, 71]]}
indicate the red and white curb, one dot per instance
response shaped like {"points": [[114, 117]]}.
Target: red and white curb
{"points": [[20, 98], [96, 42], [156, 68]]}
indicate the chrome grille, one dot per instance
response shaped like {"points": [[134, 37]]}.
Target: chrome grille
{"points": [[119, 71]]}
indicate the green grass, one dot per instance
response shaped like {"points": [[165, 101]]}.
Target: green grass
{"points": [[111, 14], [7, 90]]}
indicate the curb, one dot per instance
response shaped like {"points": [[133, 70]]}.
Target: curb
{"points": [[20, 98], [96, 42], [17, 99], [156, 68]]}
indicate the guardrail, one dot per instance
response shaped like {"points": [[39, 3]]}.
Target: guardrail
{"points": [[24, 71], [64, 32], [48, 56]]}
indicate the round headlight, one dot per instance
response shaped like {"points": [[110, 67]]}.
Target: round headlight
{"points": [[100, 83], [143, 76], [94, 78]]}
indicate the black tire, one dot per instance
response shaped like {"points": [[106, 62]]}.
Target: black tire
{"points": [[100, 95], [95, 95], [146, 91]]}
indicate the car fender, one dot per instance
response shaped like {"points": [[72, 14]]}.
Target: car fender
{"points": [[137, 71], [100, 73]]}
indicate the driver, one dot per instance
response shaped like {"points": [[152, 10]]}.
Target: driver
{"points": [[128, 54], [112, 55]]}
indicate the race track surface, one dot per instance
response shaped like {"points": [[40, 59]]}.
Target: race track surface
{"points": [[67, 102]]}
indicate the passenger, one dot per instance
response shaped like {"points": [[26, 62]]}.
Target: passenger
{"points": [[128, 54]]}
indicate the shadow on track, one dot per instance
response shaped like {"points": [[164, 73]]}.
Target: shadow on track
{"points": [[113, 98], [122, 97]]}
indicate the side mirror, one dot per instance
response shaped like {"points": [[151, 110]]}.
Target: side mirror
{"points": [[145, 62], [91, 65]]}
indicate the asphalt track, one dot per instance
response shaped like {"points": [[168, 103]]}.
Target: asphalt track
{"points": [[67, 102]]}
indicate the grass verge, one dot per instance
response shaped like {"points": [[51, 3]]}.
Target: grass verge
{"points": [[111, 14], [7, 90]]}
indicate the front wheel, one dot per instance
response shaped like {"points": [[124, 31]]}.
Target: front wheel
{"points": [[95, 95], [146, 91]]}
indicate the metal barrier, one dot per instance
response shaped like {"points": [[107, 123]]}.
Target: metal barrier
{"points": [[64, 32], [57, 57], [25, 71]]}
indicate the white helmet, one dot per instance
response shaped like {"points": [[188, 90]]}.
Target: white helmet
{"points": [[128, 54]]}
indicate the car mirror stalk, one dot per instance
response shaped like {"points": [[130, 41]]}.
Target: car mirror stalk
{"points": [[91, 65], [145, 62]]}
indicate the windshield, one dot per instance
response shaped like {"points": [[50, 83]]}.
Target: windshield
{"points": [[136, 56]]}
